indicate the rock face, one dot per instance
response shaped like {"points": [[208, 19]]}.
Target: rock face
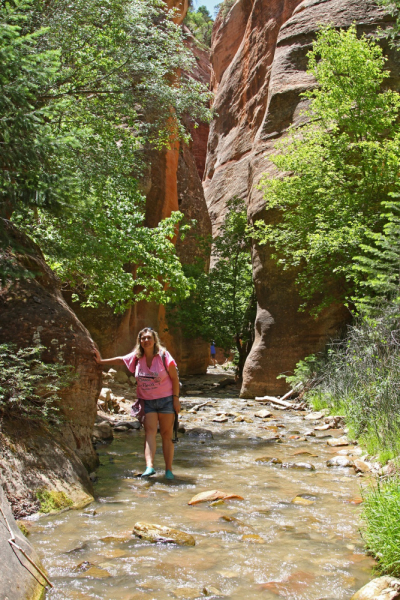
{"points": [[19, 579], [259, 70], [33, 311]]}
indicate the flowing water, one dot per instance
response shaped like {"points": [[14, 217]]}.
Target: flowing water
{"points": [[264, 546]]}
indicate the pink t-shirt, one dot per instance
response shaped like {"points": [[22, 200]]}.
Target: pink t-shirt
{"points": [[153, 382]]}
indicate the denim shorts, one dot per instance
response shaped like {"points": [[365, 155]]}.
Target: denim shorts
{"points": [[165, 406]]}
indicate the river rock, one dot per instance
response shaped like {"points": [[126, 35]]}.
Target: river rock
{"points": [[341, 441], [253, 538], [302, 501], [187, 593], [199, 432], [211, 495], [323, 427], [263, 414], [134, 424], [160, 533], [270, 460], [103, 431], [361, 466], [238, 419], [121, 377], [300, 465], [314, 416], [220, 419], [381, 588], [340, 461]]}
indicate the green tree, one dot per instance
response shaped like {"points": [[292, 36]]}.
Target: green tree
{"points": [[200, 24], [222, 306], [86, 88], [337, 171]]}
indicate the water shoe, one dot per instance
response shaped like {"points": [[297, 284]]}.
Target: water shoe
{"points": [[149, 471], [169, 475]]}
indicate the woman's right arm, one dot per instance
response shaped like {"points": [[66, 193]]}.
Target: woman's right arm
{"points": [[116, 361]]}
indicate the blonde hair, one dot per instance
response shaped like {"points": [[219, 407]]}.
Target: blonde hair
{"points": [[157, 349]]}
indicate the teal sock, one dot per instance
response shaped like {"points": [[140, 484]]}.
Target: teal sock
{"points": [[169, 475], [149, 471]]}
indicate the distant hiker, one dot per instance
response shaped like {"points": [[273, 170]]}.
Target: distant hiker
{"points": [[157, 391], [213, 353]]}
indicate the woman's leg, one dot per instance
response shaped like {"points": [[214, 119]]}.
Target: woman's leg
{"points": [[166, 429], [150, 429]]}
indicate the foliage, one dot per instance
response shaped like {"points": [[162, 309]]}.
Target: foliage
{"points": [[88, 87], [337, 171], [224, 7], [359, 377], [53, 500], [104, 249], [379, 266], [29, 387], [200, 24], [222, 306], [381, 525]]}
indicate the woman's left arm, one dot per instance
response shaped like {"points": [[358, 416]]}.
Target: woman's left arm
{"points": [[173, 373]]}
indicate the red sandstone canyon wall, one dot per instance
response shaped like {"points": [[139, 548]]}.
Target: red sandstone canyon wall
{"points": [[259, 70]]}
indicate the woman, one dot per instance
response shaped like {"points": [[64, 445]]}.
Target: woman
{"points": [[158, 385]]}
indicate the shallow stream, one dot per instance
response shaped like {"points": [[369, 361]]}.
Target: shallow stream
{"points": [[264, 546]]}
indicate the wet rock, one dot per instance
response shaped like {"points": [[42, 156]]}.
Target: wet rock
{"points": [[300, 465], [212, 591], [187, 593], [302, 500], [310, 433], [247, 419], [340, 461], [361, 466], [381, 588], [220, 419], [211, 495], [322, 427], [304, 453], [96, 573], [154, 533], [121, 428], [263, 414], [238, 419], [341, 441], [270, 460], [103, 431], [253, 538], [199, 432], [134, 424]]}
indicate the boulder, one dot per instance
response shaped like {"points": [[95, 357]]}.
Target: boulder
{"points": [[361, 466], [381, 588], [19, 579], [103, 431], [105, 394], [33, 311], [160, 533], [121, 377]]}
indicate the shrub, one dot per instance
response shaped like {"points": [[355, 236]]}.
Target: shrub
{"points": [[381, 525], [28, 386]]}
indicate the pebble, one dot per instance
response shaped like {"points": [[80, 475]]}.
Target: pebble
{"points": [[263, 414]]}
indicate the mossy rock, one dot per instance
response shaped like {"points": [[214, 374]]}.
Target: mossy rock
{"points": [[53, 500]]}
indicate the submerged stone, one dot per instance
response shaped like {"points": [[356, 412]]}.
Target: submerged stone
{"points": [[212, 495], [340, 461], [154, 533], [300, 465]]}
